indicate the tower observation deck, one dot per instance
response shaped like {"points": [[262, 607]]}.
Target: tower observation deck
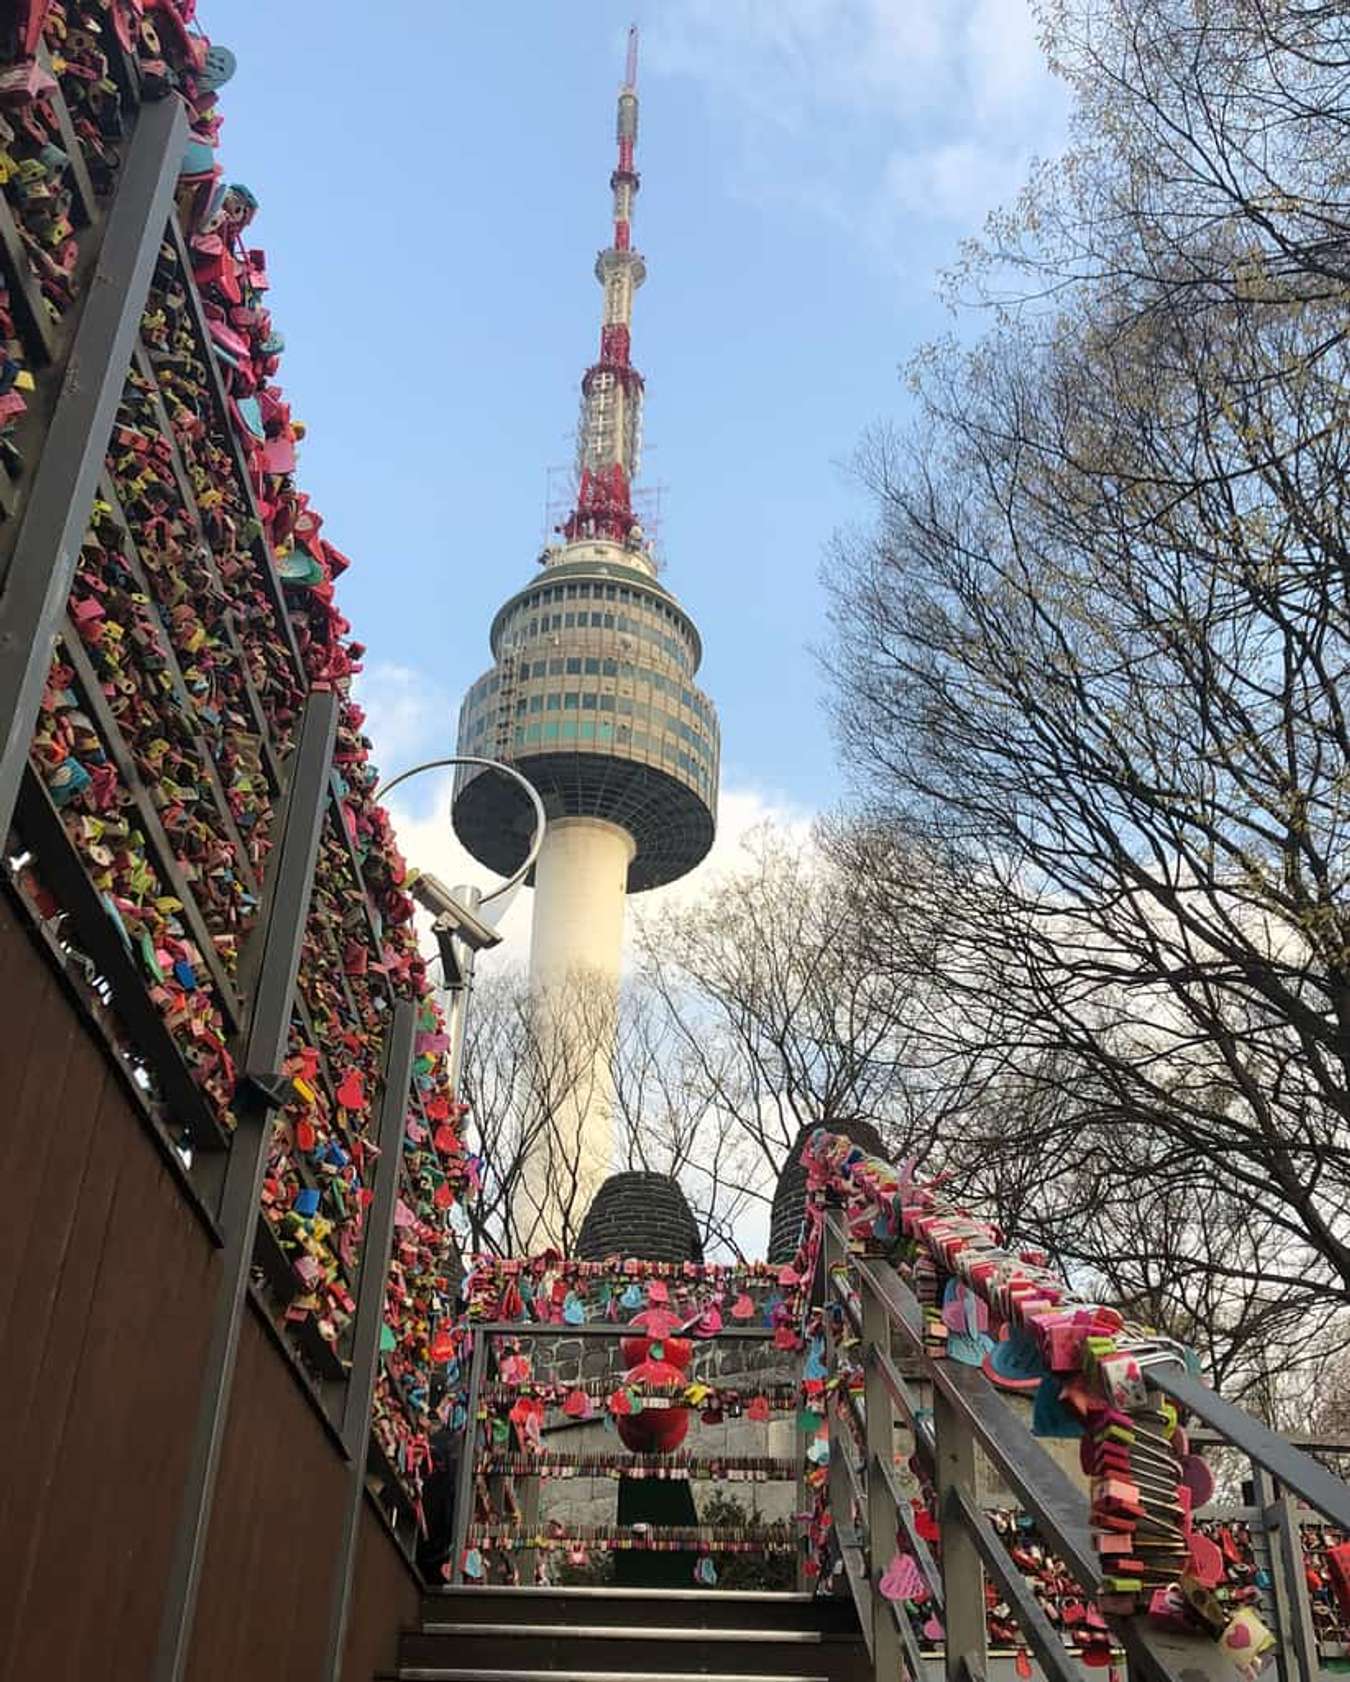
{"points": [[592, 692]]}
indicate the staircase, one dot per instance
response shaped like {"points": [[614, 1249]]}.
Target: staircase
{"points": [[484, 1634]]}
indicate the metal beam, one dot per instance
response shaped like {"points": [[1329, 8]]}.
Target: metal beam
{"points": [[1294, 1469], [1289, 1577], [1041, 1635], [883, 1515], [467, 1455], [286, 914], [962, 1575], [369, 1320], [56, 516]]}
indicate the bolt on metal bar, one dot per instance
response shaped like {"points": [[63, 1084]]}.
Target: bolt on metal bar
{"points": [[286, 914], [369, 1318], [47, 545]]}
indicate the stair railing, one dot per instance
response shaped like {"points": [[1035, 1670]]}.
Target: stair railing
{"points": [[485, 1344], [875, 1326]]}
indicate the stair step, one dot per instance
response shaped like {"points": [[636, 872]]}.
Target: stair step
{"points": [[602, 1652], [476, 1673], [636, 1608], [623, 1632]]}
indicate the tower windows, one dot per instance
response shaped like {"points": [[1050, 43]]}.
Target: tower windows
{"points": [[571, 700], [574, 666], [553, 703]]}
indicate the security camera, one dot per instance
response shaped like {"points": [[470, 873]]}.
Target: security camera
{"points": [[451, 914]]}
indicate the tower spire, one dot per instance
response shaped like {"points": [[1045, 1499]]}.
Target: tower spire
{"points": [[609, 435]]}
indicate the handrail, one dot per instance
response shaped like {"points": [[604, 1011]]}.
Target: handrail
{"points": [[968, 1410]]}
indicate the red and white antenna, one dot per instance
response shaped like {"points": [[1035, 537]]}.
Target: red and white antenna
{"points": [[609, 435]]}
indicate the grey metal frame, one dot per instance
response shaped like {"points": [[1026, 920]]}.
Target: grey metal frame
{"points": [[53, 522], [369, 1318], [265, 1048]]}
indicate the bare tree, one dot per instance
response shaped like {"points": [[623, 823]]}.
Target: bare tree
{"points": [[528, 1079], [1093, 667], [783, 1021]]}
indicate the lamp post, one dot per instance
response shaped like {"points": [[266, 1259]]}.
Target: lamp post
{"points": [[462, 925]]}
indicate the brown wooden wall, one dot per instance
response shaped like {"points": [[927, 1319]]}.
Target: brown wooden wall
{"points": [[386, 1598], [278, 1514], [107, 1281]]}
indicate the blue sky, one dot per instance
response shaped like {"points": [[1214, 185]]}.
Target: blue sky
{"points": [[433, 183]]}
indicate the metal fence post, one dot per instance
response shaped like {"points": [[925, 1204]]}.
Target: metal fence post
{"points": [[883, 1518], [1289, 1584], [268, 1033], [47, 546], [464, 1491], [962, 1573], [369, 1319]]}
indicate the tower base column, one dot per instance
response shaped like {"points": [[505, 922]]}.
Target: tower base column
{"points": [[576, 949]]}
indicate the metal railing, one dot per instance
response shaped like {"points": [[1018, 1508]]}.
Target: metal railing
{"points": [[488, 1340], [876, 1324]]}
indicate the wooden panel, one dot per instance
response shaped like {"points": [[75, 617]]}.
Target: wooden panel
{"points": [[386, 1598], [268, 1580], [106, 1278]]}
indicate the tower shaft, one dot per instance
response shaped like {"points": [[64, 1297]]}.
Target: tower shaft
{"points": [[576, 949]]}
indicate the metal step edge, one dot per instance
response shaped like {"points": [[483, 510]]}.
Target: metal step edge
{"points": [[524, 1591], [627, 1632], [476, 1673]]}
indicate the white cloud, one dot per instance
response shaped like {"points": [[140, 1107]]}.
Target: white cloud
{"points": [[407, 716], [833, 101]]}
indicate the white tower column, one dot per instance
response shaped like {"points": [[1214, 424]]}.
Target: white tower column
{"points": [[580, 888], [576, 948]]}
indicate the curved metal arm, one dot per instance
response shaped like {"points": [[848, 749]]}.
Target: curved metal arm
{"points": [[540, 818]]}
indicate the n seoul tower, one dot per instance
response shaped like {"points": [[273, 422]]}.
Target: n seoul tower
{"points": [[592, 696]]}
